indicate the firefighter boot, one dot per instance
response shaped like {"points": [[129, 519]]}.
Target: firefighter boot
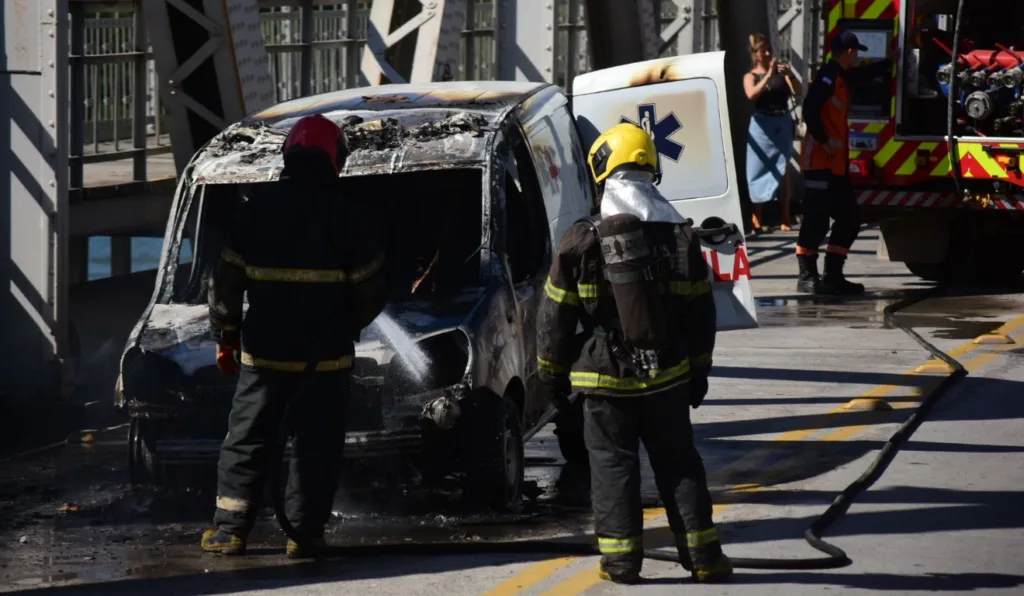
{"points": [[718, 570], [223, 542], [628, 578], [809, 280], [834, 282], [314, 550]]}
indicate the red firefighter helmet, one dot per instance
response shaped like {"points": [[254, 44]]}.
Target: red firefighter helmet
{"points": [[317, 132]]}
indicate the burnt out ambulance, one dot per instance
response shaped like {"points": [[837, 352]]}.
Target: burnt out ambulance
{"points": [[446, 378]]}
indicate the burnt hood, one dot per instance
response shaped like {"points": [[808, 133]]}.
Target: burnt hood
{"points": [[181, 332]]}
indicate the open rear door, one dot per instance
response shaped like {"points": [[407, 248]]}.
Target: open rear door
{"points": [[681, 103]]}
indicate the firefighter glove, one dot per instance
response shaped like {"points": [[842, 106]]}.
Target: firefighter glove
{"points": [[698, 389], [558, 391], [226, 361]]}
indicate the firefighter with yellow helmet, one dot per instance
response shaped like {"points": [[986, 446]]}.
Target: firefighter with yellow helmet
{"points": [[635, 280]]}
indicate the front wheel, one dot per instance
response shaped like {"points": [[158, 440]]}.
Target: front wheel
{"points": [[496, 461], [143, 466]]}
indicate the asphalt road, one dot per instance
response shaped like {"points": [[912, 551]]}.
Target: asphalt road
{"points": [[947, 515]]}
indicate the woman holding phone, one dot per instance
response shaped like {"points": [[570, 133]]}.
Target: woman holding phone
{"points": [[770, 84]]}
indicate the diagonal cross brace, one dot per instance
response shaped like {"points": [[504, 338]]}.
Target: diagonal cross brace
{"points": [[438, 25]]}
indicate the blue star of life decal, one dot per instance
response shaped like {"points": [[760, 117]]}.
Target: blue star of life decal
{"points": [[659, 130]]}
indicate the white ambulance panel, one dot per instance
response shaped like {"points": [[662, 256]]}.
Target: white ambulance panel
{"points": [[681, 103]]}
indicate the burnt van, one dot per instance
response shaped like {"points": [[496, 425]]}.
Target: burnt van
{"points": [[445, 380]]}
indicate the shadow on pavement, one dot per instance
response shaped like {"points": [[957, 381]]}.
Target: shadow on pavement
{"points": [[268, 578], [932, 582]]}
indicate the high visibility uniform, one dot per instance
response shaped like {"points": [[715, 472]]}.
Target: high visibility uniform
{"points": [[622, 407], [828, 193], [302, 253]]}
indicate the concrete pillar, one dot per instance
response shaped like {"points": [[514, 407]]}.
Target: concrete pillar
{"points": [[120, 255]]}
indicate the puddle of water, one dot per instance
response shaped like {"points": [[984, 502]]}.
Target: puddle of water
{"points": [[959, 317], [783, 312]]}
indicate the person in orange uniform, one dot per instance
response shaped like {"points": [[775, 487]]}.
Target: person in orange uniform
{"points": [[828, 193]]}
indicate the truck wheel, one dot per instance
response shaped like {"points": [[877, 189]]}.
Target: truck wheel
{"points": [[143, 465], [496, 463], [937, 272]]}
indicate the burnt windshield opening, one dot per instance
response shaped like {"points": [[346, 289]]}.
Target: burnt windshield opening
{"points": [[429, 223]]}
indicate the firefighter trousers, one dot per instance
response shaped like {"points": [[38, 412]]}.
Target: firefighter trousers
{"points": [[827, 196], [613, 429], [317, 440]]}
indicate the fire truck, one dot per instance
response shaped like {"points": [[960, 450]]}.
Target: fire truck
{"points": [[935, 147]]}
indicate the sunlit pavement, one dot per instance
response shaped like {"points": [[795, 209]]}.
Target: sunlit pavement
{"points": [[778, 444]]}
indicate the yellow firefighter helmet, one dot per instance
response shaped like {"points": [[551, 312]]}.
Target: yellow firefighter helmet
{"points": [[623, 146]]}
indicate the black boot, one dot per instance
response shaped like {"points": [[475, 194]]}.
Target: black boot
{"points": [[834, 282], [809, 279]]}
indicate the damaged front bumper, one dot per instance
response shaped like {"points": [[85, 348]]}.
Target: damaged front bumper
{"points": [[437, 413], [406, 442], [410, 373]]}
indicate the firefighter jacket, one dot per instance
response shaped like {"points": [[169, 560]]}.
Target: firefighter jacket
{"points": [[309, 263], [577, 293], [826, 111]]}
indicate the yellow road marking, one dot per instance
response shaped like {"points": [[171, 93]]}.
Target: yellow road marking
{"points": [[577, 584], [533, 574], [584, 580]]}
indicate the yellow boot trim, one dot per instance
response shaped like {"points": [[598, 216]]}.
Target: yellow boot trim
{"points": [[236, 545]]}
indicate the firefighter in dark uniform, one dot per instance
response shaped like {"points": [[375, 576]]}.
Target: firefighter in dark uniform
{"points": [[828, 193], [314, 276], [637, 282]]}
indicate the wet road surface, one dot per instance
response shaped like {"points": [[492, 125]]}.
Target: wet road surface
{"points": [[776, 440]]}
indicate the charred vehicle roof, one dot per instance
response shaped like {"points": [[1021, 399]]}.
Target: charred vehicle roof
{"points": [[405, 128]]}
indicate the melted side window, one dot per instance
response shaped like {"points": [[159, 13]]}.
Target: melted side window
{"points": [[560, 163], [578, 194], [527, 242]]}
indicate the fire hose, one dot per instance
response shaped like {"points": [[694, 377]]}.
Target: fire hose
{"points": [[834, 556]]}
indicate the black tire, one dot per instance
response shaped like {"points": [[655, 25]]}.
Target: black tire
{"points": [[144, 467], [496, 459], [569, 431], [937, 272], [983, 270]]}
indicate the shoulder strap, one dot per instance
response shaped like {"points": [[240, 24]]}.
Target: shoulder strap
{"points": [[591, 220]]}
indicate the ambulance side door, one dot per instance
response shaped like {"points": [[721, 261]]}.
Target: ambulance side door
{"points": [[681, 103]]}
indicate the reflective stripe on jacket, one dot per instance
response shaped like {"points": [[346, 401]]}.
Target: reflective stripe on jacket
{"points": [[306, 257]]}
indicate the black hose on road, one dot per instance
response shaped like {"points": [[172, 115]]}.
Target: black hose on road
{"points": [[835, 556]]}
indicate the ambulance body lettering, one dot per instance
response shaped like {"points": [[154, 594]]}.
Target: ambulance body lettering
{"points": [[681, 103]]}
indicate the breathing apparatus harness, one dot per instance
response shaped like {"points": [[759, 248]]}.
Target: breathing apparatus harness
{"points": [[639, 269]]}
